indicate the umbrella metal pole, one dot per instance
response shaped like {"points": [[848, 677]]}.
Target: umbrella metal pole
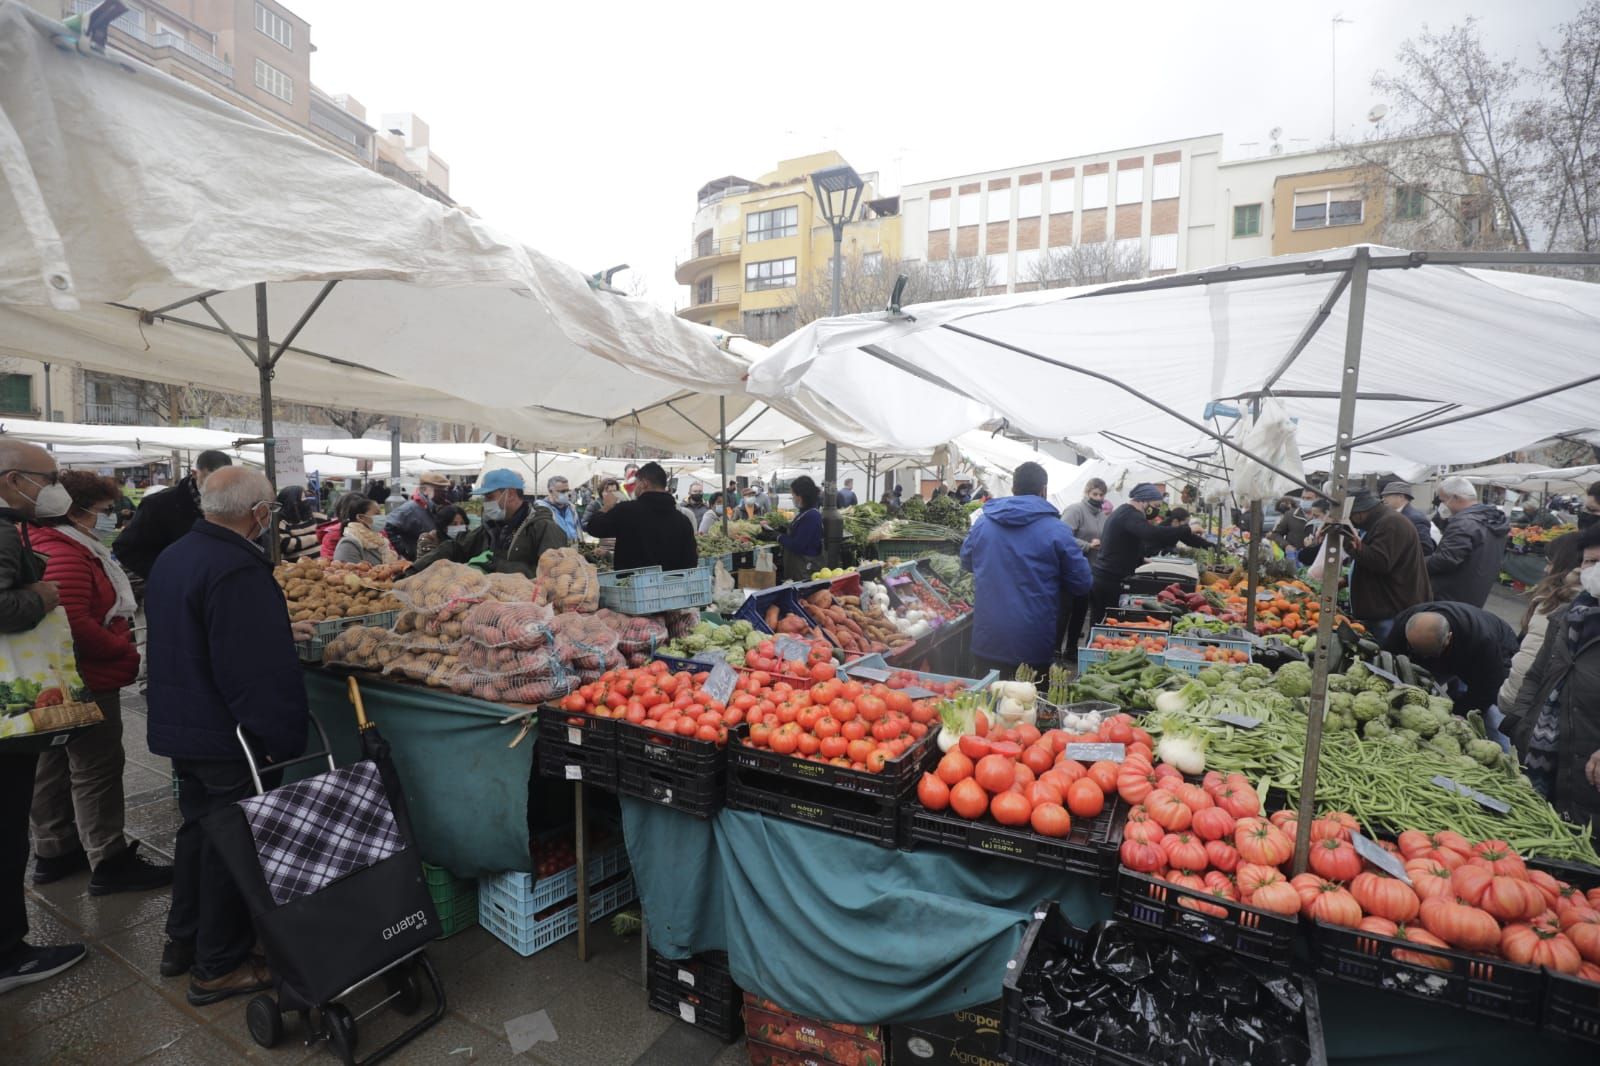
{"points": [[722, 452], [1330, 567], [264, 370], [1253, 566], [582, 838]]}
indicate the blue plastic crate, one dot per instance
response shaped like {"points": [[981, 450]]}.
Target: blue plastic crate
{"points": [[651, 590], [1203, 640], [526, 936], [876, 661], [1186, 661], [756, 606], [520, 893]]}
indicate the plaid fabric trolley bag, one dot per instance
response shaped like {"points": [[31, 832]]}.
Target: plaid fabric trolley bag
{"points": [[331, 874]]}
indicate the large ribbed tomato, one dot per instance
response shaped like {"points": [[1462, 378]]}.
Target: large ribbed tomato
{"points": [[1385, 897], [1335, 859], [1539, 945], [1460, 925]]}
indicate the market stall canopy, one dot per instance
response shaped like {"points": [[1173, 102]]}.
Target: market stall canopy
{"points": [[1440, 341], [133, 195]]}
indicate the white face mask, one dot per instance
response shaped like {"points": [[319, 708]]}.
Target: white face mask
{"points": [[492, 511], [455, 532], [105, 523], [1443, 510], [1590, 579], [259, 527], [53, 501], [563, 497]]}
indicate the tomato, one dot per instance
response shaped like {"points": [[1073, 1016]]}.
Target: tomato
{"points": [[785, 739], [1010, 808], [877, 760], [636, 714], [1042, 792], [922, 712], [1051, 820], [887, 729], [1223, 855], [686, 726], [1168, 811], [1071, 768], [1027, 735], [706, 732], [842, 709], [808, 717], [954, 767], [1116, 731], [1261, 842], [822, 671], [1038, 758], [824, 693], [1009, 748], [980, 724], [1185, 851], [871, 707], [833, 747], [854, 729], [1084, 798], [826, 726], [1385, 897], [810, 744], [859, 749], [1104, 773], [1336, 859], [933, 793], [895, 700], [995, 773], [1145, 858], [759, 733], [967, 798], [1213, 823]]}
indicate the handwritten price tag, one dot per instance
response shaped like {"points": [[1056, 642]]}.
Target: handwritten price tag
{"points": [[1486, 802], [869, 673], [719, 686], [1097, 752], [1242, 721], [1387, 861], [794, 651]]}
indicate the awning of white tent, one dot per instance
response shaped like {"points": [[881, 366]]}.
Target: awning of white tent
{"points": [[1440, 341], [132, 194]]}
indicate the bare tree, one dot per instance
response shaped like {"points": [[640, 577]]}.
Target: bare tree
{"points": [[1454, 153], [1087, 264], [355, 423], [866, 282], [1563, 125]]}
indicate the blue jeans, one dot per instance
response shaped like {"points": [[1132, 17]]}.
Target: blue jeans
{"points": [[1379, 631], [1492, 719]]}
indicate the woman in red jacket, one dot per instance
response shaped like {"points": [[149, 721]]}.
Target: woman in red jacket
{"points": [[78, 804]]}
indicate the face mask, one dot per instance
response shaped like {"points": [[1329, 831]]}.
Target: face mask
{"points": [[695, 497], [104, 523], [455, 532], [1443, 510], [259, 528], [1305, 505], [1589, 578], [53, 501], [563, 497], [492, 511]]}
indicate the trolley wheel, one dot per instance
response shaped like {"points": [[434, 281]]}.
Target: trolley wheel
{"points": [[406, 987], [340, 1027], [265, 1021]]}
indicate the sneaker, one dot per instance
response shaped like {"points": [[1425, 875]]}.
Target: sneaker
{"points": [[50, 870], [176, 958], [28, 964], [250, 976], [127, 872]]}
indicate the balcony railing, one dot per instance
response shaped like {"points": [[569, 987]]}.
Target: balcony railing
{"points": [[717, 294], [707, 247], [111, 414], [132, 24]]}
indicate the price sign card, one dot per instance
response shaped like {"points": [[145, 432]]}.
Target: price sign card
{"points": [[1242, 721], [1486, 802], [1088, 753], [1387, 861], [918, 693], [791, 649], [868, 673], [719, 686], [1386, 675]]}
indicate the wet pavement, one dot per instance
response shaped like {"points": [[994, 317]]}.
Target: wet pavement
{"points": [[114, 1007]]}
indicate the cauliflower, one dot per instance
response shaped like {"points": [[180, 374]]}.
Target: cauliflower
{"points": [[1367, 706], [1376, 729], [1485, 752], [1293, 679], [1256, 670], [1424, 721]]}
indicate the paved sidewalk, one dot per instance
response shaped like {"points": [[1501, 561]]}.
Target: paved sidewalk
{"points": [[114, 1007]]}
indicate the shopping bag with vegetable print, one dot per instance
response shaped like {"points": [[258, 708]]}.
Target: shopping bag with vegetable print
{"points": [[40, 689]]}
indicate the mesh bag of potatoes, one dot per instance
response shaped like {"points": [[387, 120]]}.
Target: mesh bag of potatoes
{"points": [[431, 660], [508, 625], [363, 648], [567, 581], [636, 633], [510, 588], [443, 591]]}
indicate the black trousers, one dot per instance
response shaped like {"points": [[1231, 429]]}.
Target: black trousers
{"points": [[207, 909], [1107, 588], [1076, 609], [16, 799], [1008, 670]]}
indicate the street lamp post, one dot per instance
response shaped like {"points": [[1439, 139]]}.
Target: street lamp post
{"points": [[838, 197]]}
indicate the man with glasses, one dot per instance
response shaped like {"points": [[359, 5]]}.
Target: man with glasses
{"points": [[165, 516], [221, 656], [28, 488]]}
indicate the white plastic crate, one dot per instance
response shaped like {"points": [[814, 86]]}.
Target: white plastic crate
{"points": [[520, 893]]}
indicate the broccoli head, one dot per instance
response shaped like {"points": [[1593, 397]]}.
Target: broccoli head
{"points": [[1402, 740], [1293, 679], [1485, 752], [1424, 721], [1210, 677], [1444, 745], [1368, 706], [1376, 729], [1256, 670], [1442, 703], [1358, 672], [1342, 702]]}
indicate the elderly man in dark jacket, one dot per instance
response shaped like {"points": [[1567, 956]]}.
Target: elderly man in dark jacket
{"points": [[221, 656], [650, 530], [1466, 563], [1465, 647], [1397, 497], [27, 481], [1555, 724], [165, 516], [1388, 573]]}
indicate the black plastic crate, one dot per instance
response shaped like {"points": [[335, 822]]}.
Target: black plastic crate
{"points": [[635, 743], [1481, 984], [1027, 1042], [899, 775], [577, 729], [723, 1020], [705, 974], [698, 791], [1143, 585], [1136, 614], [855, 814], [572, 762], [1241, 929], [1090, 848], [1572, 1007]]}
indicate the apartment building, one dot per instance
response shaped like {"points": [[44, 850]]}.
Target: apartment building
{"points": [[1178, 205], [760, 250], [256, 55]]}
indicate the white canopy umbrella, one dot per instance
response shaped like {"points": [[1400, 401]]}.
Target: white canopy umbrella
{"points": [[152, 229]]}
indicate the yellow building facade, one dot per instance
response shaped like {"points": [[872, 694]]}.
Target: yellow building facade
{"points": [[760, 253]]}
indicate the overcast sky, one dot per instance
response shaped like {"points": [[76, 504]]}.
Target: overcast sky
{"points": [[585, 129]]}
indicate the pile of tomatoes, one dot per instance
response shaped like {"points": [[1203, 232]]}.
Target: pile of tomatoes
{"points": [[764, 656], [1021, 777], [845, 723], [1128, 643], [908, 679]]}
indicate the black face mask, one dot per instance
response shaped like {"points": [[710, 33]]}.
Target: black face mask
{"points": [[1587, 519], [694, 497]]}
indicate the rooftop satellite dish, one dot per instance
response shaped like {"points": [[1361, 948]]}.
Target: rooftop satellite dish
{"points": [[1377, 112]]}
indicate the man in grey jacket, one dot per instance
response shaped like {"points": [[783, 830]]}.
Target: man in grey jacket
{"points": [[1087, 519], [1466, 562], [27, 481]]}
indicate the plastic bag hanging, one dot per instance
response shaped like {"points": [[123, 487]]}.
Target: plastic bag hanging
{"points": [[1273, 437]]}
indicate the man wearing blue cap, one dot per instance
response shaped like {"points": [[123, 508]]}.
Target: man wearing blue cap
{"points": [[1132, 534], [514, 531]]}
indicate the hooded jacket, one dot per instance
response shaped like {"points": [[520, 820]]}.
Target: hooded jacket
{"points": [[108, 659], [515, 544], [1466, 562], [650, 531], [1024, 559]]}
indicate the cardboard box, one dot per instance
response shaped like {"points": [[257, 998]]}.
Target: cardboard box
{"points": [[968, 1037], [756, 579]]}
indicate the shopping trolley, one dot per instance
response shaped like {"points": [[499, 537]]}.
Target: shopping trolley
{"points": [[329, 868]]}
